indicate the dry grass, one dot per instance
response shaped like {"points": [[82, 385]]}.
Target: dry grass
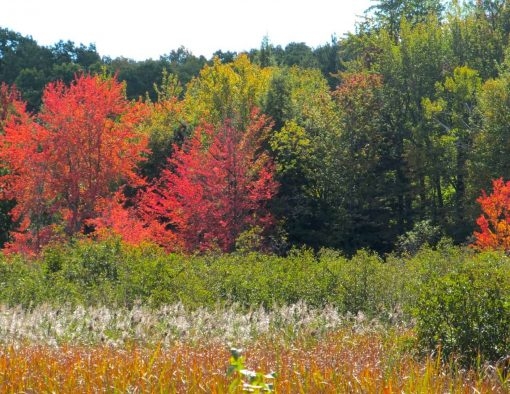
{"points": [[178, 351], [54, 326]]}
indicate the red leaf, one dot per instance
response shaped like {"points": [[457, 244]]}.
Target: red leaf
{"points": [[219, 186], [494, 222], [76, 151]]}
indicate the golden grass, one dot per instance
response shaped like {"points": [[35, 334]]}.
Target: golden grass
{"points": [[342, 361]]}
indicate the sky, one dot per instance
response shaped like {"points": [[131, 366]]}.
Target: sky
{"points": [[146, 29]]}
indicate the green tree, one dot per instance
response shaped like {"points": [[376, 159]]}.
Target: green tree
{"points": [[479, 35], [422, 58], [389, 14], [31, 82], [68, 53], [306, 149], [139, 76], [367, 180], [491, 147], [225, 57], [18, 52], [265, 56], [278, 103], [329, 60], [24, 62], [186, 66], [409, 68], [453, 110], [299, 54]]}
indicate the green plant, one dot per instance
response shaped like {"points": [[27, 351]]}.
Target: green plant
{"points": [[252, 381], [21, 283], [423, 233], [466, 312]]}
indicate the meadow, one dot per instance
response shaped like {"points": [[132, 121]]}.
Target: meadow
{"points": [[172, 349], [108, 317]]}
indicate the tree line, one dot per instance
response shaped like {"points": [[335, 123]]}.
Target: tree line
{"points": [[387, 133]]}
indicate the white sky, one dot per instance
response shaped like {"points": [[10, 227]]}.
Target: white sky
{"points": [[150, 28]]}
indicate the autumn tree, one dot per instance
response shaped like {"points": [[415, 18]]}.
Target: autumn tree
{"points": [[165, 125], [217, 186], [494, 222], [9, 100], [80, 147], [165, 128], [226, 91], [119, 217]]}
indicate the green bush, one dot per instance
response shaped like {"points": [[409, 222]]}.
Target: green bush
{"points": [[426, 266], [111, 273], [466, 312], [82, 272], [114, 274], [21, 283]]}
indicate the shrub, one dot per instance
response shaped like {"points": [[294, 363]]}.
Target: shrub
{"points": [[21, 283], [422, 234], [365, 283], [82, 271], [112, 273], [427, 266], [466, 312]]}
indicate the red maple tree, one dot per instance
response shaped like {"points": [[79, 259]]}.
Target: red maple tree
{"points": [[217, 186], [78, 149], [119, 217], [494, 222]]}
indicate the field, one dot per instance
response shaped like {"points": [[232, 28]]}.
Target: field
{"points": [[173, 349], [108, 317]]}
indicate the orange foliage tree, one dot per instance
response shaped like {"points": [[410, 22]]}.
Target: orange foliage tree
{"points": [[494, 222], [118, 216], [217, 186], [10, 99], [78, 149]]}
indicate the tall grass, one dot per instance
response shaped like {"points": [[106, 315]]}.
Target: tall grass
{"points": [[52, 326], [342, 362], [175, 350]]}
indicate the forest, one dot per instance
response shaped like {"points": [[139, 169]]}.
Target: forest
{"points": [[364, 184], [396, 129]]}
